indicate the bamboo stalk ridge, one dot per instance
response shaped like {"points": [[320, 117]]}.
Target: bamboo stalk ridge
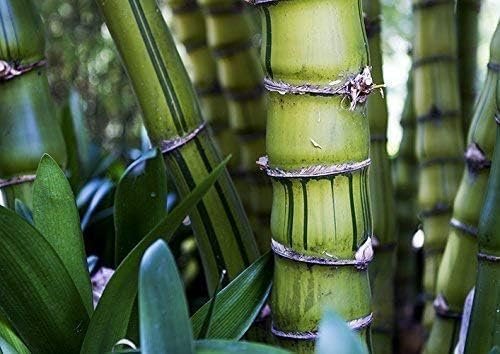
{"points": [[382, 270], [174, 123], [318, 145], [405, 172], [467, 26], [439, 140], [229, 34], [457, 272], [28, 124]]}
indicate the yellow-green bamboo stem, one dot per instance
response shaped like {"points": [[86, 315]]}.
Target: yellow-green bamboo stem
{"points": [[28, 124], [229, 33], [457, 272], [439, 141], [382, 270], [174, 123], [467, 26], [318, 141], [405, 184]]}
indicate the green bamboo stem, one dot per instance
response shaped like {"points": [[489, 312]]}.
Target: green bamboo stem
{"points": [[382, 270], [405, 173], [467, 26], [318, 148], [28, 124], [484, 324], [229, 34], [457, 272], [439, 141], [172, 116]]}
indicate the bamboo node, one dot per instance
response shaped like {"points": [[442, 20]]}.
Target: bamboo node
{"points": [[476, 159], [442, 308], [494, 66], [10, 71], [312, 171], [167, 146], [16, 180], [488, 257], [356, 88], [468, 229]]}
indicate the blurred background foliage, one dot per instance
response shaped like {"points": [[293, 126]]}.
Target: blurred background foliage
{"points": [[81, 54]]}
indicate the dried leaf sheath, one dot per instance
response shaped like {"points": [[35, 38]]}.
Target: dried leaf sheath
{"points": [[439, 139], [320, 221], [28, 125], [171, 112]]}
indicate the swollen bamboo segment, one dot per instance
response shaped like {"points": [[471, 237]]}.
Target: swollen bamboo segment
{"points": [[317, 157], [439, 140], [174, 123], [28, 126], [382, 270], [457, 272]]}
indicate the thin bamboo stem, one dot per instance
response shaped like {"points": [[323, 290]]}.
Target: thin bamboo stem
{"points": [[439, 142], [174, 123]]}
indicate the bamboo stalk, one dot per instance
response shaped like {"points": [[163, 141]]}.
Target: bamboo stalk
{"points": [[467, 26], [174, 123], [382, 270], [317, 157], [229, 34], [28, 124], [439, 141], [457, 272]]}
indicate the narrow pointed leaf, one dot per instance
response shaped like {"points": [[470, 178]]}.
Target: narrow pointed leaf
{"points": [[56, 217], [23, 211], [239, 303], [208, 318], [87, 191], [336, 337], [163, 311], [37, 294], [110, 320], [225, 346], [140, 201]]}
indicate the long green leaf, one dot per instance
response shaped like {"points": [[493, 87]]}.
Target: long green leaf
{"points": [[103, 190], [163, 311], [226, 346], [37, 294], [336, 337], [23, 211], [110, 320], [140, 201], [10, 343], [239, 303], [56, 217]]}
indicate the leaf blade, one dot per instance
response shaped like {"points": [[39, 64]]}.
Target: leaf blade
{"points": [[225, 346]]}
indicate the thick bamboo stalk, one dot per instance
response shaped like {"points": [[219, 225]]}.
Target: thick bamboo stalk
{"points": [[28, 124], [467, 26], [229, 34], [382, 270], [439, 141], [174, 123], [457, 272], [405, 172], [315, 57]]}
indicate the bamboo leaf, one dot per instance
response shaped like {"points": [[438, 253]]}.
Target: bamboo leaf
{"points": [[56, 217], [110, 320], [336, 337], [37, 294], [23, 211], [239, 303], [163, 311], [208, 318], [140, 201], [226, 346]]}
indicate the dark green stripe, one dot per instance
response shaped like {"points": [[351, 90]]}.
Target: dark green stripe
{"points": [[353, 215], [161, 72], [454, 338], [363, 202], [368, 204], [303, 182], [269, 40], [369, 339], [202, 210], [227, 209], [289, 230]]}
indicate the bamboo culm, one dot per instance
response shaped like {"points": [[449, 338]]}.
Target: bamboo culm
{"points": [[439, 139], [382, 269], [229, 34], [317, 157], [174, 123], [457, 272], [28, 124]]}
